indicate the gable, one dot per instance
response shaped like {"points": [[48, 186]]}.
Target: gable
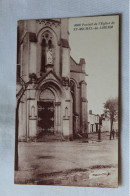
{"points": [[74, 66], [49, 76]]}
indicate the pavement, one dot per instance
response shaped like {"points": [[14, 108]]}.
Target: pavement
{"points": [[69, 163]]}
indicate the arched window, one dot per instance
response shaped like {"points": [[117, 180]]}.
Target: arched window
{"points": [[33, 111], [47, 50], [49, 44]]}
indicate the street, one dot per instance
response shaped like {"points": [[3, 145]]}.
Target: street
{"points": [[73, 163]]}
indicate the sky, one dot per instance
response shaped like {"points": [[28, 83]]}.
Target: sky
{"points": [[96, 40]]}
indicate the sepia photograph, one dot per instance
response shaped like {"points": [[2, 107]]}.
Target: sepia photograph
{"points": [[66, 125]]}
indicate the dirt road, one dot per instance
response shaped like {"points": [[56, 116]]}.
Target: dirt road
{"points": [[68, 163]]}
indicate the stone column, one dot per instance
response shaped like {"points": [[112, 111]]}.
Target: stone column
{"points": [[20, 121], [66, 122], [32, 118], [67, 119], [31, 113], [58, 117], [83, 107]]}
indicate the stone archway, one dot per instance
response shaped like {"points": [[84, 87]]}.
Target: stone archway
{"points": [[50, 99], [46, 113]]}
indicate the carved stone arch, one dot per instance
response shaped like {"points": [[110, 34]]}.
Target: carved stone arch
{"points": [[43, 30], [53, 85], [48, 47], [75, 82], [47, 94], [53, 97]]}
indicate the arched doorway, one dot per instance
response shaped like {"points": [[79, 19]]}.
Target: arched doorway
{"points": [[46, 113]]}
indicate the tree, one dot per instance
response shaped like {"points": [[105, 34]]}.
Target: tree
{"points": [[19, 96], [23, 87], [111, 111]]}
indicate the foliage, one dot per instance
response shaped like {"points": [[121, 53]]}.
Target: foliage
{"points": [[111, 111], [111, 108]]}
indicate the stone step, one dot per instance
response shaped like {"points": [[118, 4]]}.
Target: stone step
{"points": [[48, 138]]}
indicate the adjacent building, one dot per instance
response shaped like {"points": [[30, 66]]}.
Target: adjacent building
{"points": [[93, 122], [106, 124]]}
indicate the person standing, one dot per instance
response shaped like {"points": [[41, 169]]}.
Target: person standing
{"points": [[113, 133]]}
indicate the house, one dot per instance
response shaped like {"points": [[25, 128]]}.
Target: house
{"points": [[93, 122], [106, 124]]}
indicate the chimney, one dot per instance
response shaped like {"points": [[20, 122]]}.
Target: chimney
{"points": [[83, 64], [90, 111]]}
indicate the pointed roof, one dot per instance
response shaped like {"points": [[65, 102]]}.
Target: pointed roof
{"points": [[74, 66], [49, 75]]}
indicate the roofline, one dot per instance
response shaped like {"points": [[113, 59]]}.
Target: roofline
{"points": [[74, 60]]}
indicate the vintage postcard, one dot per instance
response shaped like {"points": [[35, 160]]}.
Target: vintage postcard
{"points": [[67, 102]]}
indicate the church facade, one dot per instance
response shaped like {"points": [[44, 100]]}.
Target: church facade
{"points": [[54, 101]]}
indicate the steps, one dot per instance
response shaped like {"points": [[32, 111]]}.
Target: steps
{"points": [[49, 138]]}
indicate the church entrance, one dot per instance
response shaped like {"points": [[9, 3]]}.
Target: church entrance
{"points": [[45, 117]]}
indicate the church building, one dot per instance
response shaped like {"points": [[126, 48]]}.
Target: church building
{"points": [[54, 101]]}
